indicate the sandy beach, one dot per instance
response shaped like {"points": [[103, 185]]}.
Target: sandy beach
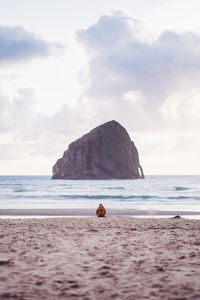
{"points": [[99, 258]]}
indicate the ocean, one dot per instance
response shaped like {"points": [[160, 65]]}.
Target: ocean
{"points": [[163, 193]]}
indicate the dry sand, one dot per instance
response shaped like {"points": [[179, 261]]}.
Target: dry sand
{"points": [[99, 258]]}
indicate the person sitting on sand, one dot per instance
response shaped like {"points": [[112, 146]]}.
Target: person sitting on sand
{"points": [[101, 211]]}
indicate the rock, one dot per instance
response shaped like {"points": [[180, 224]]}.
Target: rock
{"points": [[176, 217], [106, 152]]}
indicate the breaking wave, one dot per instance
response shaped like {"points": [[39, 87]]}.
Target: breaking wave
{"points": [[120, 198], [180, 188]]}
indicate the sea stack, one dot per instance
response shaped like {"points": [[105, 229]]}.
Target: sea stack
{"points": [[106, 152]]}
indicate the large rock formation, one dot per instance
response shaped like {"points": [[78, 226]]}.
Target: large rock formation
{"points": [[106, 152]]}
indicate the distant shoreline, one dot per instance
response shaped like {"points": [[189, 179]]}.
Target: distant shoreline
{"points": [[91, 212]]}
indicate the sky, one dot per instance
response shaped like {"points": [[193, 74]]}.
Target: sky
{"points": [[67, 66]]}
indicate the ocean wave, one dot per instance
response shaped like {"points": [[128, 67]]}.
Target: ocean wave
{"points": [[66, 185], [180, 188], [183, 197], [10, 184], [105, 197], [22, 194], [115, 188], [83, 196], [116, 197], [22, 190]]}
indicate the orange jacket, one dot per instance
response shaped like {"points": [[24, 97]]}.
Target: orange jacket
{"points": [[101, 211]]}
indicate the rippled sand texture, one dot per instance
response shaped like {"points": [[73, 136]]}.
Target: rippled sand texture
{"points": [[100, 258]]}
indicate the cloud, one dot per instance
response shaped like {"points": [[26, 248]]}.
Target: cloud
{"points": [[110, 33], [24, 131], [17, 44], [150, 87], [122, 61]]}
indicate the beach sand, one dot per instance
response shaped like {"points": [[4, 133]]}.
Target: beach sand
{"points": [[99, 258]]}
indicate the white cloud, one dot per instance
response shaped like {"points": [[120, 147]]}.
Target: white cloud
{"points": [[122, 61], [17, 44], [111, 32], [151, 88], [181, 111], [24, 131]]}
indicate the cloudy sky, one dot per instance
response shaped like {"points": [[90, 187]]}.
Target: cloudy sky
{"points": [[67, 66]]}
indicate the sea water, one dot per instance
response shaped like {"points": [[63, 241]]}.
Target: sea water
{"points": [[167, 193]]}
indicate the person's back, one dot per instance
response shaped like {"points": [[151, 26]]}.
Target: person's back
{"points": [[101, 211]]}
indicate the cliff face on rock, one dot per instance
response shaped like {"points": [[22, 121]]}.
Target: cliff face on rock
{"points": [[106, 152]]}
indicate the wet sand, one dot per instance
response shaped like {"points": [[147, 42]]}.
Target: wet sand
{"points": [[91, 212], [99, 258]]}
